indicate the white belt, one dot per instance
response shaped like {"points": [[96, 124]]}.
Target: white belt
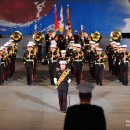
{"points": [[77, 60], [29, 60], [98, 63], [2, 62], [125, 61]]}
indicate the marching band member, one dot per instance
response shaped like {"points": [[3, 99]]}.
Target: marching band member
{"points": [[78, 62], [62, 80], [125, 58], [28, 59], [99, 66], [52, 57], [1, 66]]}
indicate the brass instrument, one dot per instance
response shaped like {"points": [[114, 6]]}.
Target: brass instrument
{"points": [[16, 36], [116, 36], [37, 37], [96, 36]]}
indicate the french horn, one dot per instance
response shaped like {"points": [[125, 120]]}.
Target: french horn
{"points": [[96, 36], [16, 36], [116, 36]]}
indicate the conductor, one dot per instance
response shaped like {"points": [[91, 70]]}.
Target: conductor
{"points": [[85, 116]]}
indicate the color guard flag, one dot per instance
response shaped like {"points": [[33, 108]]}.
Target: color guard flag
{"points": [[61, 25], [56, 28], [68, 24]]}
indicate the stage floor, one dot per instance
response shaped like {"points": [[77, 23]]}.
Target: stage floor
{"points": [[35, 107]]}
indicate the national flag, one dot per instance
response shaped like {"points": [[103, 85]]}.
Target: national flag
{"points": [[61, 26], [68, 23], [56, 28]]}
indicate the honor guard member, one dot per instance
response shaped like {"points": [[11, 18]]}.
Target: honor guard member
{"points": [[99, 67], [28, 59], [62, 80], [78, 62], [125, 58], [52, 57], [85, 116], [1, 66]]}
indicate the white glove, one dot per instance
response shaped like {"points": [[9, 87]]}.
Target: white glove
{"points": [[69, 80], [55, 80]]}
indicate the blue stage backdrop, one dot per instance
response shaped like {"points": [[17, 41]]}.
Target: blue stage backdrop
{"points": [[95, 15]]}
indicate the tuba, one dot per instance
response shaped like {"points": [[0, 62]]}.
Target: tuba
{"points": [[115, 36], [96, 37], [16, 36], [37, 37]]}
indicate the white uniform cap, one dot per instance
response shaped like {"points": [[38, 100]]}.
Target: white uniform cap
{"points": [[91, 42], [63, 51], [120, 49], [31, 43], [99, 49], [85, 87], [11, 40], [5, 45], [62, 62], [53, 46], [118, 43], [53, 42], [124, 46], [97, 44], [78, 45], [119, 46], [110, 40], [2, 47], [113, 42]]}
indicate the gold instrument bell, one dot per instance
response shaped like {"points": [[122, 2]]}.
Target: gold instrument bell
{"points": [[116, 36], [16, 36], [37, 37], [96, 36]]}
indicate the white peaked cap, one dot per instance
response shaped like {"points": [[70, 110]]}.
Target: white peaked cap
{"points": [[31, 42], [120, 49], [118, 43], [78, 45], [97, 44], [62, 62], [113, 42], [53, 46], [63, 51], [11, 40], [53, 42], [2, 47], [124, 46], [99, 49], [91, 42]]}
